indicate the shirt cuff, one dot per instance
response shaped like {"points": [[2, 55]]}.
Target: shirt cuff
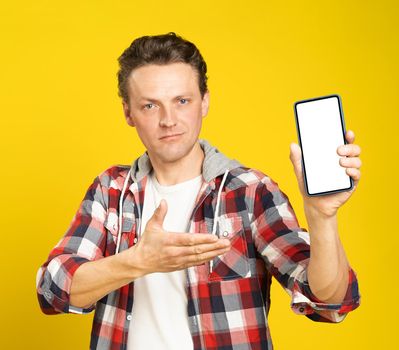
{"points": [[304, 302], [56, 284]]}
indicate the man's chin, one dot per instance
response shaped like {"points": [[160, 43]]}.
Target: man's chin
{"points": [[173, 153], [171, 157]]}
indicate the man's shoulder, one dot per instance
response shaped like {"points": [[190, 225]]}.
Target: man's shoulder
{"points": [[250, 177], [114, 176]]}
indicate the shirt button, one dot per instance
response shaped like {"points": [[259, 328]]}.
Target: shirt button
{"points": [[129, 317], [135, 240], [225, 233]]}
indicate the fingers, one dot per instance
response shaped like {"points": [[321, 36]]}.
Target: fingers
{"points": [[199, 259], [184, 256], [350, 136], [352, 165], [189, 239], [350, 150], [353, 173], [162, 251], [203, 248], [295, 156], [157, 219], [351, 160], [354, 162]]}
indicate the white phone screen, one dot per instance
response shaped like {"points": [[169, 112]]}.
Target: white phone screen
{"points": [[321, 131]]}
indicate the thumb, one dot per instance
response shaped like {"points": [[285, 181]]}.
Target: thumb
{"points": [[157, 219], [295, 156]]}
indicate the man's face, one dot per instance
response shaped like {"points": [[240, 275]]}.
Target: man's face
{"points": [[166, 108]]}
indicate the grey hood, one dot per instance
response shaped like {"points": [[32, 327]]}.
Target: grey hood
{"points": [[214, 164]]}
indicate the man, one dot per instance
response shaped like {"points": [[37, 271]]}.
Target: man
{"points": [[178, 250]]}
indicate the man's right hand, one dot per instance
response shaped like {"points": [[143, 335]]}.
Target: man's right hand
{"points": [[162, 251], [156, 251]]}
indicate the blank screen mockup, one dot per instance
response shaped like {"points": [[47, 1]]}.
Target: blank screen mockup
{"points": [[321, 133]]}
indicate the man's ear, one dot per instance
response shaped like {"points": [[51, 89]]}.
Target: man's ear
{"points": [[126, 111], [205, 104]]}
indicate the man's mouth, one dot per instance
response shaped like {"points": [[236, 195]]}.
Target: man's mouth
{"points": [[170, 137]]}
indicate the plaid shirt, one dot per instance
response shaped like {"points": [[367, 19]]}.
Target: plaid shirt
{"points": [[228, 307]]}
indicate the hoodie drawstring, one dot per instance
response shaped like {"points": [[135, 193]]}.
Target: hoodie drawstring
{"points": [[216, 213], [121, 211]]}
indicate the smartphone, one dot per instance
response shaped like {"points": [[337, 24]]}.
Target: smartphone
{"points": [[321, 130]]}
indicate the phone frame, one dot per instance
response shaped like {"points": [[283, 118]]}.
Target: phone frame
{"points": [[341, 113]]}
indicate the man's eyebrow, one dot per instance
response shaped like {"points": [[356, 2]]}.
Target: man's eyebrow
{"points": [[155, 100]]}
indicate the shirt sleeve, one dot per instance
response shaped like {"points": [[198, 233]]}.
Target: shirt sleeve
{"points": [[83, 241], [285, 248]]}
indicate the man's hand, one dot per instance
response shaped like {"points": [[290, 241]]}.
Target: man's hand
{"points": [[156, 251], [328, 205], [162, 251]]}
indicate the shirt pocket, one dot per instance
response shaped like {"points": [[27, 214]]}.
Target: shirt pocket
{"points": [[112, 224], [234, 263]]}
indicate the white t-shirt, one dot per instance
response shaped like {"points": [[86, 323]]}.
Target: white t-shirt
{"points": [[159, 315]]}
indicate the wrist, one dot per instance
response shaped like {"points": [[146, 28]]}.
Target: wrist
{"points": [[323, 232], [131, 264], [314, 214]]}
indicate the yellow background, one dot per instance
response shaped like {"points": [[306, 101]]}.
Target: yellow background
{"points": [[62, 124]]}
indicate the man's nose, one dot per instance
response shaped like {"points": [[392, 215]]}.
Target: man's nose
{"points": [[167, 117]]}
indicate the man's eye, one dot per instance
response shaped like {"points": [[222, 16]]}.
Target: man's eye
{"points": [[184, 101], [148, 106]]}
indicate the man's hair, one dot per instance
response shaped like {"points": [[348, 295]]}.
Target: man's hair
{"points": [[160, 49]]}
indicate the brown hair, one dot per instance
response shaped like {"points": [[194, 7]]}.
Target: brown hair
{"points": [[160, 49]]}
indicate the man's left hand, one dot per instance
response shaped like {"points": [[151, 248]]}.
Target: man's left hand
{"points": [[327, 205]]}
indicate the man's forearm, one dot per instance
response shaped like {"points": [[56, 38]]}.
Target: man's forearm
{"points": [[328, 269], [156, 251], [95, 279]]}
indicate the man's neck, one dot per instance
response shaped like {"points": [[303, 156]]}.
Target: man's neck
{"points": [[184, 169]]}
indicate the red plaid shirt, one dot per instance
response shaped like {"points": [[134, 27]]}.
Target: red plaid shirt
{"points": [[228, 307]]}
